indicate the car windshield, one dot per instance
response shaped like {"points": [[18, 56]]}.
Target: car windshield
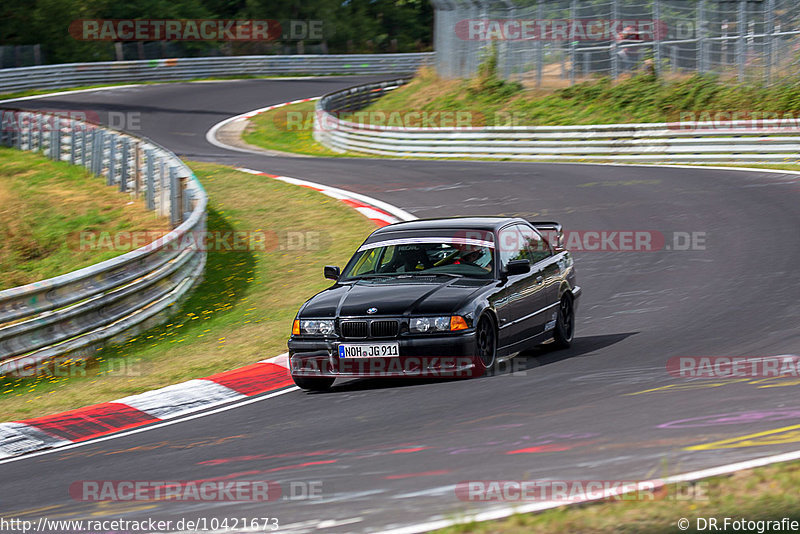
{"points": [[431, 256]]}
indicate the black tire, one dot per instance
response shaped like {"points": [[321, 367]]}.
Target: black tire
{"points": [[485, 346], [565, 323], [314, 383]]}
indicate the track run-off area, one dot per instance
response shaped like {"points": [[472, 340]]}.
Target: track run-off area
{"points": [[390, 454]]}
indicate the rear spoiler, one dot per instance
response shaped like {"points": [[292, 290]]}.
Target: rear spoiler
{"points": [[552, 232]]}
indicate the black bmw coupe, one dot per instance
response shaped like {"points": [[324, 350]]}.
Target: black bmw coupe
{"points": [[437, 297]]}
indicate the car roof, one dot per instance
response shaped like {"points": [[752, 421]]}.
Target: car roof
{"points": [[463, 223]]}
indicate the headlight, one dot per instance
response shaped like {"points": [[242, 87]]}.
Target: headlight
{"points": [[447, 323], [312, 327]]}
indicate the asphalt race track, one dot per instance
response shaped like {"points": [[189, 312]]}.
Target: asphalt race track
{"points": [[389, 454]]}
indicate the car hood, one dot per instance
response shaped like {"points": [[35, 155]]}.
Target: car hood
{"points": [[393, 297]]}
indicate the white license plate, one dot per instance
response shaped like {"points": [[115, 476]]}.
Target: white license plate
{"points": [[368, 350]]}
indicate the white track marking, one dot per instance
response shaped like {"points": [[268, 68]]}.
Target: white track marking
{"points": [[179, 399], [506, 511], [235, 404], [19, 438], [401, 214]]}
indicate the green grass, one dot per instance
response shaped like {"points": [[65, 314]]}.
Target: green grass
{"points": [[763, 493], [240, 313], [44, 207], [488, 101], [642, 98], [288, 129]]}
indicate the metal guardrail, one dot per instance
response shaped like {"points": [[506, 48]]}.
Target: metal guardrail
{"points": [[76, 74], [71, 315], [768, 141]]}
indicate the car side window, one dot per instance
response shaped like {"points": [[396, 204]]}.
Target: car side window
{"points": [[512, 246], [538, 249]]}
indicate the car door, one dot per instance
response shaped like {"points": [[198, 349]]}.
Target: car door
{"points": [[522, 299], [545, 263]]}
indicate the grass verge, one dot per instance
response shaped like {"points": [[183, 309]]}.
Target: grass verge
{"points": [[489, 101], [764, 493], [240, 313], [288, 129], [42, 201]]}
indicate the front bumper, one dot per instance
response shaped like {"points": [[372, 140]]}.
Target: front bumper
{"points": [[451, 355]]}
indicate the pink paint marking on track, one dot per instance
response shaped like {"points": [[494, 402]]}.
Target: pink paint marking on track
{"points": [[413, 475]]}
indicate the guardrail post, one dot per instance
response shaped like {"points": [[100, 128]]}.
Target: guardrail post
{"points": [[28, 130], [112, 160], [150, 186], [5, 136], [186, 198], [84, 142], [73, 142], [124, 171], [93, 153], [15, 135], [100, 141], [39, 133], [55, 139], [46, 139], [163, 190], [174, 197], [137, 168], [51, 150]]}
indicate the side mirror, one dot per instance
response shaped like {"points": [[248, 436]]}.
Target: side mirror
{"points": [[518, 267], [331, 272]]}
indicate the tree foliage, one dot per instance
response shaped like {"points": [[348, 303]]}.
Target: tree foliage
{"points": [[348, 25]]}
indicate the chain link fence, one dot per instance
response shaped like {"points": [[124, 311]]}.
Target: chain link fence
{"points": [[20, 56], [558, 43]]}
